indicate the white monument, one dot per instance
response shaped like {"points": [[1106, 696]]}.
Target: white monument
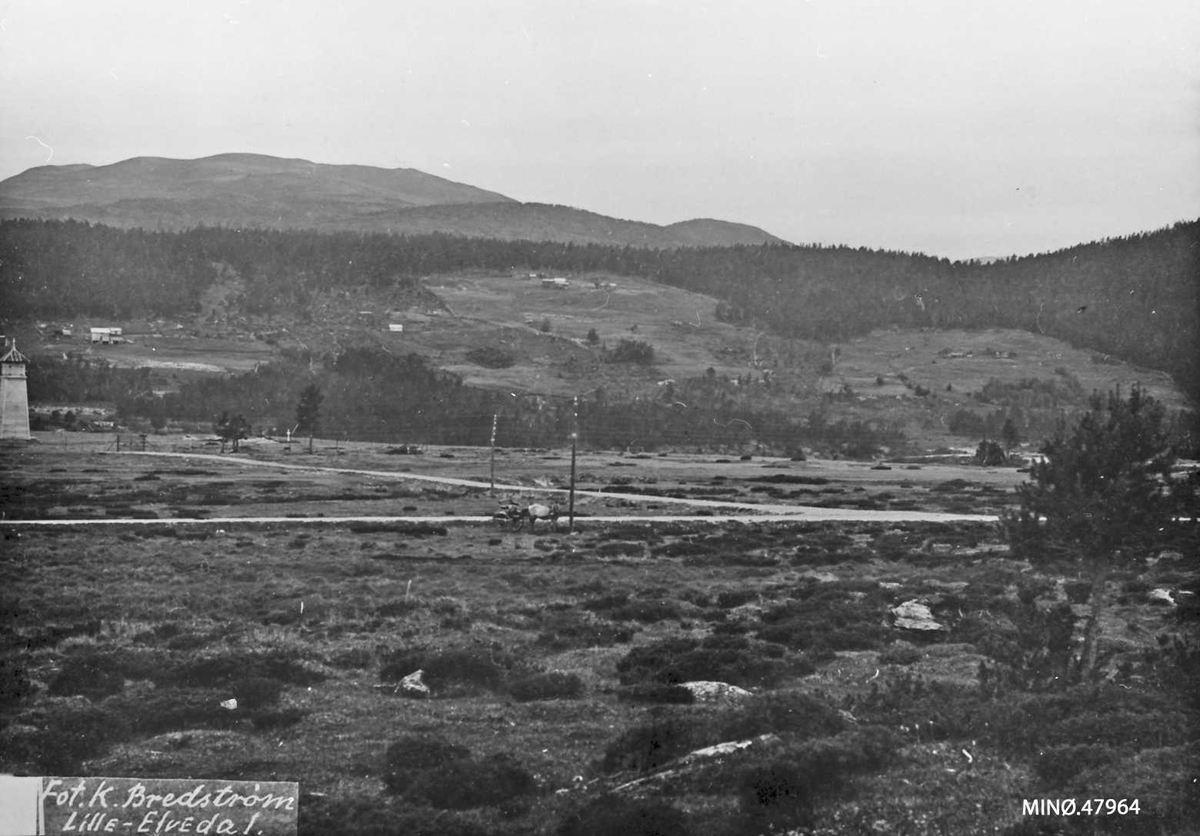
{"points": [[14, 396]]}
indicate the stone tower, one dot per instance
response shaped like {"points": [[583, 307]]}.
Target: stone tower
{"points": [[14, 397]]}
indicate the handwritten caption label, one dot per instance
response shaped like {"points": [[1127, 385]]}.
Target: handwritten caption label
{"points": [[179, 807]]}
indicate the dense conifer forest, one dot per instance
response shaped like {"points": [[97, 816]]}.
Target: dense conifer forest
{"points": [[368, 393]]}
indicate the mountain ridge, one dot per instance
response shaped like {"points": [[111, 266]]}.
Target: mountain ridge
{"points": [[238, 190]]}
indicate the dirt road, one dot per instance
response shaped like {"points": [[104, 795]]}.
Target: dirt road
{"points": [[715, 510]]}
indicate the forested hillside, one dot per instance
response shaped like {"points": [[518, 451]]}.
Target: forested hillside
{"points": [[1134, 298]]}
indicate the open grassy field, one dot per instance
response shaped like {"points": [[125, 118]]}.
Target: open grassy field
{"points": [[269, 477], [953, 368], [680, 325], [967, 360], [554, 660]]}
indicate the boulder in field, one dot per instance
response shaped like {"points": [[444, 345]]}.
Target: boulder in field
{"points": [[1161, 596], [688, 768], [716, 692], [913, 615], [745, 614], [414, 686]]}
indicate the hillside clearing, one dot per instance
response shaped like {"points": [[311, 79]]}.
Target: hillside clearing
{"points": [[507, 332]]}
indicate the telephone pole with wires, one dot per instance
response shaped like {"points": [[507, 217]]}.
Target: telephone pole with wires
{"points": [[574, 445]]}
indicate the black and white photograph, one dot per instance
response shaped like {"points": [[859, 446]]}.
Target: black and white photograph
{"points": [[625, 418]]}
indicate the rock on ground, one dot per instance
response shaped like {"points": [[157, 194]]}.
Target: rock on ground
{"points": [[689, 766], [413, 685], [716, 692], [1161, 596], [913, 615]]}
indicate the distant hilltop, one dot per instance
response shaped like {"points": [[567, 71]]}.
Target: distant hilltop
{"points": [[255, 190]]}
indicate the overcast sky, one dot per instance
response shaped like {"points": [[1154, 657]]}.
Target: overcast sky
{"points": [[960, 128]]}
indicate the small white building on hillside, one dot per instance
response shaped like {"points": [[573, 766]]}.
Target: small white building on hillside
{"points": [[106, 336]]}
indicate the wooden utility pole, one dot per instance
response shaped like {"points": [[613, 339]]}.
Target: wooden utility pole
{"points": [[574, 444], [495, 419]]}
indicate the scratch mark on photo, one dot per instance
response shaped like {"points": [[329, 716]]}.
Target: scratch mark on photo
{"points": [[44, 145]]}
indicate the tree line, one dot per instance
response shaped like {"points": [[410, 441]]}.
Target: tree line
{"points": [[368, 393]]}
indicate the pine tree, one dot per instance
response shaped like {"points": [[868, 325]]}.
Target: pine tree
{"points": [[1100, 497], [990, 454], [308, 410], [232, 429], [1009, 434]]}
